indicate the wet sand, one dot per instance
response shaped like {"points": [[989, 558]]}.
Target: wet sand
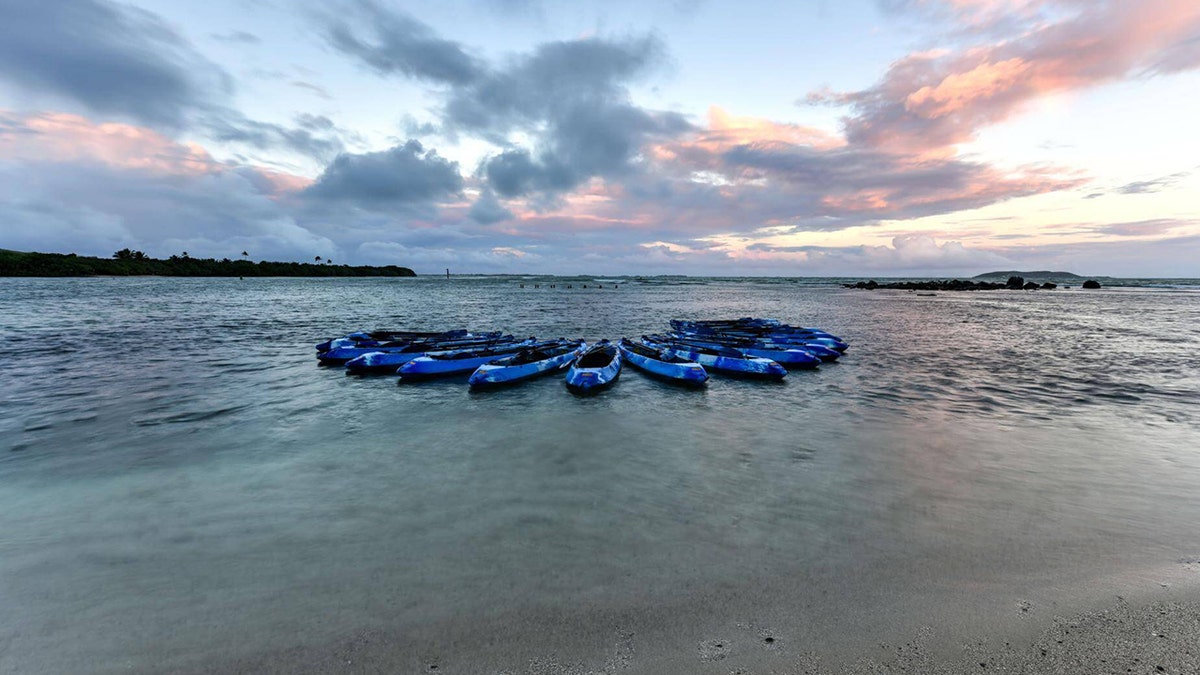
{"points": [[1157, 631]]}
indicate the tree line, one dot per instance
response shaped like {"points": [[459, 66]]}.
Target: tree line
{"points": [[128, 262]]}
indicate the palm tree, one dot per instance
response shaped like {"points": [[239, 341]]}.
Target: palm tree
{"points": [[317, 259], [245, 255]]}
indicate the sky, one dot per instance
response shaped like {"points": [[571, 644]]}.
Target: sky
{"points": [[800, 138]]}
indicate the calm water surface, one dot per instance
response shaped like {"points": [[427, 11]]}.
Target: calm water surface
{"points": [[181, 485]]}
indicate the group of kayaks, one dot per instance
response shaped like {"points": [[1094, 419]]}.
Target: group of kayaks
{"points": [[749, 347]]}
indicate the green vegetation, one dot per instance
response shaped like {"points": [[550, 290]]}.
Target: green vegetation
{"points": [[134, 263]]}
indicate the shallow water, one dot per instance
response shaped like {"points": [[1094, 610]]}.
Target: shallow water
{"points": [[180, 484]]}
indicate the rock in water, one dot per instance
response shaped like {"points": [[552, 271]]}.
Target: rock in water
{"points": [[1031, 286], [1049, 285], [1015, 283], [1091, 283]]}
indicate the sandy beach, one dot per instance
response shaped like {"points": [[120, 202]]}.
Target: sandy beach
{"points": [[1154, 629]]}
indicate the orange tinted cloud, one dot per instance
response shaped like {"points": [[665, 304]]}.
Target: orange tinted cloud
{"points": [[62, 137], [928, 101], [66, 138]]}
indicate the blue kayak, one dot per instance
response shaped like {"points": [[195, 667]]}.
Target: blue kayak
{"points": [[822, 350], [724, 359], [790, 357], [378, 337], [526, 364], [759, 329], [662, 363], [595, 369], [457, 362], [387, 363], [340, 355]]}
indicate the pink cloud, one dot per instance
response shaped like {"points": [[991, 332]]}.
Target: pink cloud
{"points": [[931, 100], [63, 138]]}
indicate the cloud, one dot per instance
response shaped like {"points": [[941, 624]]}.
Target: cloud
{"points": [[66, 138], [95, 208], [571, 98], [115, 60], [320, 142], [398, 44], [124, 63], [911, 252], [404, 174], [929, 101], [1152, 185], [1143, 228], [237, 37], [487, 209], [316, 89]]}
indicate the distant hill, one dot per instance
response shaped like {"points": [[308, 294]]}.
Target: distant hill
{"points": [[135, 263], [1039, 274]]}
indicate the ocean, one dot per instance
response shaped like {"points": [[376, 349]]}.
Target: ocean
{"points": [[183, 489]]}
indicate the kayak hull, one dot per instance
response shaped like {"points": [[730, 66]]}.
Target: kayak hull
{"points": [[753, 367], [688, 373], [499, 374], [433, 365], [582, 379]]}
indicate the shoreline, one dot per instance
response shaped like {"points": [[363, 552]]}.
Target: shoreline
{"points": [[1151, 627]]}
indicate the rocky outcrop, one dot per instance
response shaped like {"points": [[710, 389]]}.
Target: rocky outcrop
{"points": [[1091, 283], [1015, 283]]}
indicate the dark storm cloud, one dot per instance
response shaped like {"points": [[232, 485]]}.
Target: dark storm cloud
{"points": [[404, 174], [115, 60], [391, 42]]}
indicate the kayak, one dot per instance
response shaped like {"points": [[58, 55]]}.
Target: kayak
{"points": [[595, 369], [378, 337], [822, 350], [759, 329], [388, 362], [457, 362], [340, 355], [791, 357], [526, 364], [724, 359], [663, 364]]}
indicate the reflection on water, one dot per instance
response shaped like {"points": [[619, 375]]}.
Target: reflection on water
{"points": [[176, 473]]}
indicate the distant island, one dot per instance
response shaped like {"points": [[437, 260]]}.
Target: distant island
{"points": [[1013, 280], [135, 263], [1040, 274]]}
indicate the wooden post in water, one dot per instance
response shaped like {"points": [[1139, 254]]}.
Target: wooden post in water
{"points": [[447, 272]]}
